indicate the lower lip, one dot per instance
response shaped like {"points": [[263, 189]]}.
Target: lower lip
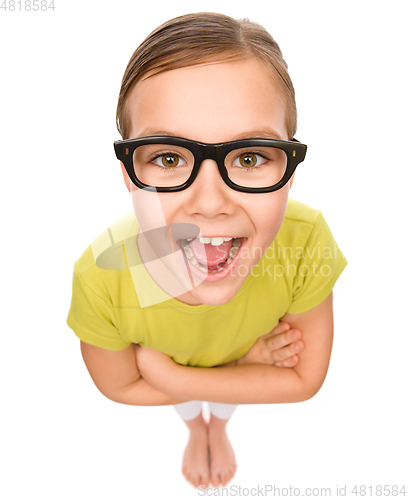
{"points": [[219, 275]]}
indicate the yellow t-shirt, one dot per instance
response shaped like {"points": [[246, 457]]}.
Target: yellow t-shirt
{"points": [[297, 272]]}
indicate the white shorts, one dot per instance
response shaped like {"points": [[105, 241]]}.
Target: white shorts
{"points": [[191, 409]]}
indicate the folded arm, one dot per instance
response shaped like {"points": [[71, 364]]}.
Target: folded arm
{"points": [[253, 383], [116, 375]]}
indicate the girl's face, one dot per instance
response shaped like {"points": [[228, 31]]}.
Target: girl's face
{"points": [[214, 103]]}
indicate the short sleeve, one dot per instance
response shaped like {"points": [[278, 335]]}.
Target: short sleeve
{"points": [[319, 264], [92, 318]]}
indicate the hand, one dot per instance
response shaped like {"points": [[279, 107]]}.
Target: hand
{"points": [[279, 347]]}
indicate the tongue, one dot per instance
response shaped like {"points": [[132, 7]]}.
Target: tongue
{"points": [[208, 254]]}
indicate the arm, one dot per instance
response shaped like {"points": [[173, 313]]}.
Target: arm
{"points": [[116, 375], [253, 383]]}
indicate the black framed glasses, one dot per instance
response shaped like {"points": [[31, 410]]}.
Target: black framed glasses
{"points": [[170, 164]]}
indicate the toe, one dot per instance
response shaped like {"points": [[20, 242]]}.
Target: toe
{"points": [[203, 482]]}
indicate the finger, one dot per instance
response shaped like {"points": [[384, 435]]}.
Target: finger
{"points": [[282, 327], [286, 352], [288, 363], [283, 339]]}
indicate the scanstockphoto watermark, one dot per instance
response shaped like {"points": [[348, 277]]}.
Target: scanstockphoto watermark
{"points": [[280, 252], [340, 490], [279, 270], [27, 6], [291, 261], [161, 261], [263, 491]]}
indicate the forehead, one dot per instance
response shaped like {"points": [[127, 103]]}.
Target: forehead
{"points": [[213, 102]]}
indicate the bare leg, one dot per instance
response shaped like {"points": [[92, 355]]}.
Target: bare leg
{"points": [[195, 466], [222, 458]]}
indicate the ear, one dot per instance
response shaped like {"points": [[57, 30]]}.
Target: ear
{"points": [[125, 176], [291, 179]]}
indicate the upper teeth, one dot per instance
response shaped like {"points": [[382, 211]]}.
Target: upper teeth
{"points": [[214, 241]]}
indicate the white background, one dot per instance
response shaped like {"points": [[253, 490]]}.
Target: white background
{"points": [[61, 186]]}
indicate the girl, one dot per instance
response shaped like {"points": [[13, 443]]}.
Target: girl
{"points": [[205, 295]]}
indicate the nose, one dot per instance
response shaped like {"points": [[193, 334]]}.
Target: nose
{"points": [[210, 195]]}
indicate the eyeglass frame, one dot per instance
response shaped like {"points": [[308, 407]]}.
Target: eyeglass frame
{"points": [[295, 153]]}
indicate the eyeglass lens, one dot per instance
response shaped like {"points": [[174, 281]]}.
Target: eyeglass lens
{"points": [[163, 165]]}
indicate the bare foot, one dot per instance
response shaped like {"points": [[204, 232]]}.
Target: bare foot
{"points": [[195, 466], [222, 458]]}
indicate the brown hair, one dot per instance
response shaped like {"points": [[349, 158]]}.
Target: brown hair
{"points": [[204, 37]]}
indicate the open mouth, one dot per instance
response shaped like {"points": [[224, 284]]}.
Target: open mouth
{"points": [[211, 255]]}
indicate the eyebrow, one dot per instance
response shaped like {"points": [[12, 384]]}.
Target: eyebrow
{"points": [[264, 133]]}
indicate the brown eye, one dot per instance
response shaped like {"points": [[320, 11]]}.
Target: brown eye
{"points": [[248, 160], [170, 160]]}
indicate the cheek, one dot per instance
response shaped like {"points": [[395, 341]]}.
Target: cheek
{"points": [[271, 213], [151, 212], [170, 204]]}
